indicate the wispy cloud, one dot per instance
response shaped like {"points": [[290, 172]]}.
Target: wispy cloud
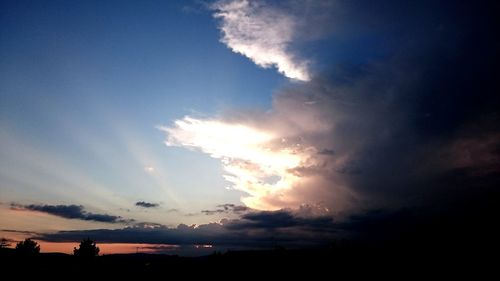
{"points": [[262, 33], [213, 212], [227, 208], [70, 212]]}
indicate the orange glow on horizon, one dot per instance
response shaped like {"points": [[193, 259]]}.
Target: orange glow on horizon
{"points": [[106, 248]]}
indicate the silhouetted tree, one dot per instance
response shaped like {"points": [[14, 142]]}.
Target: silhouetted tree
{"points": [[4, 243], [28, 247], [87, 249]]}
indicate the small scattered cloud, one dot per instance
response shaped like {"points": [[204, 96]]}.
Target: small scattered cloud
{"points": [[144, 204], [227, 209], [326, 151], [226, 206], [212, 212], [240, 209], [70, 212]]}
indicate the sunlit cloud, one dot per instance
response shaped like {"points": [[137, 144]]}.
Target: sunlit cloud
{"points": [[256, 161], [261, 33], [246, 154]]}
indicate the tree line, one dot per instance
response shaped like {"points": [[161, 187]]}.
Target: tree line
{"points": [[29, 247]]}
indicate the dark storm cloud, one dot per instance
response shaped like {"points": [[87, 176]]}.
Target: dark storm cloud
{"points": [[70, 212], [261, 229], [145, 233], [146, 204], [462, 223], [282, 219], [400, 124], [411, 97]]}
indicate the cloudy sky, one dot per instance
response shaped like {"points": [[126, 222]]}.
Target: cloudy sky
{"points": [[194, 125]]}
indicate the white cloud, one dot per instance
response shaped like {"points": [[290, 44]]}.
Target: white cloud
{"points": [[248, 155], [263, 34], [270, 162]]}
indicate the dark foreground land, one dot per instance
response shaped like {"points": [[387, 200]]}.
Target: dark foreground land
{"points": [[350, 260]]}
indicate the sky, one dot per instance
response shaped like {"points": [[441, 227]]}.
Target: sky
{"points": [[189, 126]]}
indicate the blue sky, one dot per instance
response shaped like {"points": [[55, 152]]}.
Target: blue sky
{"points": [[87, 82]]}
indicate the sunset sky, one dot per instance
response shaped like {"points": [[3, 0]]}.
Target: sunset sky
{"points": [[167, 126]]}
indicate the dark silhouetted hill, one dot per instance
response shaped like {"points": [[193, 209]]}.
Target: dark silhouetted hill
{"points": [[345, 258]]}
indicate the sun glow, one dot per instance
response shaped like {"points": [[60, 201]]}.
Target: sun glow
{"points": [[250, 156]]}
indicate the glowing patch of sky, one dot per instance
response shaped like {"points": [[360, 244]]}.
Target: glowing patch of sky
{"points": [[83, 86]]}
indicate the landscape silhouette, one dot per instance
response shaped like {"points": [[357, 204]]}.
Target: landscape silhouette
{"points": [[249, 139]]}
